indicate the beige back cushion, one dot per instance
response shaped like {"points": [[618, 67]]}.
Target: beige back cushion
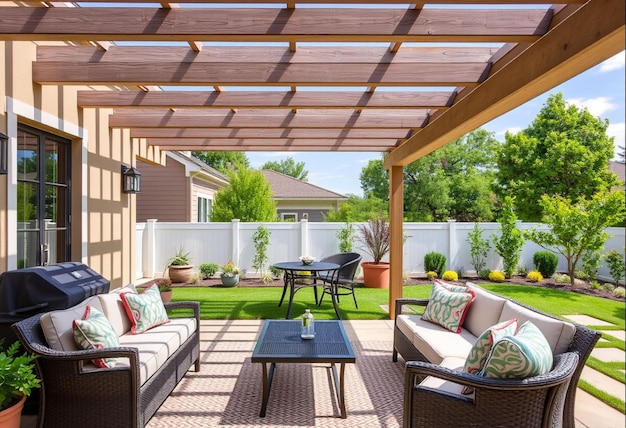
{"points": [[57, 326], [484, 311], [558, 333], [114, 310]]}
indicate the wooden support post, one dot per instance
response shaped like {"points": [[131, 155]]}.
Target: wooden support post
{"points": [[396, 211]]}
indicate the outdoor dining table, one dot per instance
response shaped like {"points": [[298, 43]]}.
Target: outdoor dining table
{"points": [[294, 271]]}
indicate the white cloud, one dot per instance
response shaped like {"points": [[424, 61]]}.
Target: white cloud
{"points": [[614, 63], [617, 131], [596, 106], [512, 130]]}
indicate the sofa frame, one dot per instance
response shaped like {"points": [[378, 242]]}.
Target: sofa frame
{"points": [[75, 394], [582, 344]]}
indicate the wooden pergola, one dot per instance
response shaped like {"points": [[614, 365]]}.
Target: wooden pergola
{"points": [[314, 75]]}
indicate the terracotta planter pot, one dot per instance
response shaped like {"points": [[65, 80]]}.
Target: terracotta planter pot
{"points": [[166, 296], [376, 275], [180, 273], [11, 417]]}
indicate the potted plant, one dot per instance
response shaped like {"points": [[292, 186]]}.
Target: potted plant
{"points": [[179, 268], [375, 237], [230, 274], [17, 380], [165, 288]]}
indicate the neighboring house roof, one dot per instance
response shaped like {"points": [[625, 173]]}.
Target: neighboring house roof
{"points": [[619, 169], [193, 165], [286, 187]]}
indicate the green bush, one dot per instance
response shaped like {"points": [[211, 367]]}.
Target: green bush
{"points": [[545, 262], [619, 291], [484, 273], [435, 262], [450, 275], [207, 270], [615, 261]]}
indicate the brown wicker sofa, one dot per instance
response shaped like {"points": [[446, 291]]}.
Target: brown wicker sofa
{"points": [[75, 393], [436, 356]]}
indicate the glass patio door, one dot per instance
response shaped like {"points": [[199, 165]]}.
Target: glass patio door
{"points": [[43, 196]]}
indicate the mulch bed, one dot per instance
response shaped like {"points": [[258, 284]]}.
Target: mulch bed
{"points": [[547, 283]]}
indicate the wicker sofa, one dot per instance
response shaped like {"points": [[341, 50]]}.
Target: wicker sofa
{"points": [[435, 357], [76, 393]]}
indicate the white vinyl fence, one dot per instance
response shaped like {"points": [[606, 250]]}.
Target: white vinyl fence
{"points": [[220, 242]]}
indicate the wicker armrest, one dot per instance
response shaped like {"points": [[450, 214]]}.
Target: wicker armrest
{"points": [[195, 306], [407, 301]]}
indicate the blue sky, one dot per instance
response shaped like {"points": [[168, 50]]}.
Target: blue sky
{"points": [[600, 89]]}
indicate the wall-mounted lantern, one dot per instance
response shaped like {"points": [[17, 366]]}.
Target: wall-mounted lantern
{"points": [[131, 180], [4, 153]]}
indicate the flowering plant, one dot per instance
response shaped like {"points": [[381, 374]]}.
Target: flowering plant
{"points": [[307, 260], [230, 269]]}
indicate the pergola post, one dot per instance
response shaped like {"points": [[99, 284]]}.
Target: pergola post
{"points": [[396, 212]]}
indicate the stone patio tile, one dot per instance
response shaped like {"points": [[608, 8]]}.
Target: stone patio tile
{"points": [[593, 413], [619, 334], [608, 354], [586, 320], [604, 382]]}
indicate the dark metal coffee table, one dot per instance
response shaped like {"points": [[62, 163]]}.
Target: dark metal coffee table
{"points": [[280, 342]]}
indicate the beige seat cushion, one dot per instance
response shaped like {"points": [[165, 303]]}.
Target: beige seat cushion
{"points": [[558, 333], [157, 344], [434, 341], [57, 325], [438, 384], [484, 311], [114, 310]]}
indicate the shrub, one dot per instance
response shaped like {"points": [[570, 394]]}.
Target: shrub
{"points": [[591, 263], [460, 271], [479, 248], [522, 270], [615, 262], [435, 262], [276, 272], [496, 276], [450, 275], [619, 292], [431, 274], [207, 270], [561, 277], [596, 285], [534, 276], [545, 262], [484, 273], [608, 286]]}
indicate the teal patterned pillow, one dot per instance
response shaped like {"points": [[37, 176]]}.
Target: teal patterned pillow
{"points": [[526, 354], [459, 288], [144, 310], [480, 350], [447, 308], [94, 331]]}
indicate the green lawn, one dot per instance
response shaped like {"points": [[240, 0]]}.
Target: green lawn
{"points": [[262, 303]]}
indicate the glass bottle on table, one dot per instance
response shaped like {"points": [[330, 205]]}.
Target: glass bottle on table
{"points": [[308, 325]]}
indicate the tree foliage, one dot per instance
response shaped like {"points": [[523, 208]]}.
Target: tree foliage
{"points": [[576, 228], [357, 209], [452, 182], [224, 161], [565, 151], [288, 167], [247, 197]]}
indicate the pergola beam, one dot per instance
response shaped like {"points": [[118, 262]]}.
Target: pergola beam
{"points": [[273, 24], [268, 133], [589, 36]]}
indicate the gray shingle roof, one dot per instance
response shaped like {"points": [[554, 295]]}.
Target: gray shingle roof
{"points": [[286, 187]]}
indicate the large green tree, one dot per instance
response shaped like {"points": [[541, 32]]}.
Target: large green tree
{"points": [[565, 151], [452, 182], [247, 197], [288, 167], [577, 228], [357, 209], [224, 161]]}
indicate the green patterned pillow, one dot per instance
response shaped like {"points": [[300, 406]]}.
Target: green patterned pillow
{"points": [[94, 331], [459, 288], [144, 310], [480, 350], [526, 354], [447, 308]]}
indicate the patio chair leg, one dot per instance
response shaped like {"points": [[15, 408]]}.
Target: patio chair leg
{"points": [[354, 297]]}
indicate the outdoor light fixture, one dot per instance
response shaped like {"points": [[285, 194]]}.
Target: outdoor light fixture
{"points": [[4, 153], [131, 179]]}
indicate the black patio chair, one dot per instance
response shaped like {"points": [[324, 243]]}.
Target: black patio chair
{"points": [[339, 283]]}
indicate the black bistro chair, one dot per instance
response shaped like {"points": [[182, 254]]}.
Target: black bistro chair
{"points": [[340, 283]]}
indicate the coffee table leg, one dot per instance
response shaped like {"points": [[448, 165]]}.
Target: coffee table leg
{"points": [[339, 387], [267, 386]]}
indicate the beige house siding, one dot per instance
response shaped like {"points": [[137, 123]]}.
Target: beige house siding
{"points": [[203, 188], [313, 211], [164, 190], [103, 218]]}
